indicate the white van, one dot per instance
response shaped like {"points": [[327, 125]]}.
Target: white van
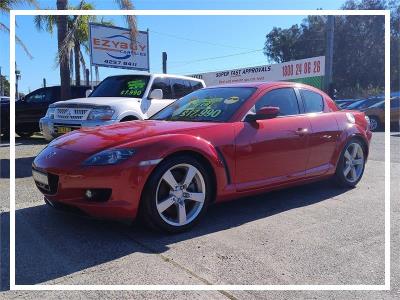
{"points": [[117, 99]]}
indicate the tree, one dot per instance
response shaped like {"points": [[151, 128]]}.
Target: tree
{"points": [[5, 84], [79, 39], [358, 66], [66, 39], [5, 7], [62, 29]]}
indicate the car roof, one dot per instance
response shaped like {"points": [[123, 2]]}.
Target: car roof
{"points": [[161, 75]]}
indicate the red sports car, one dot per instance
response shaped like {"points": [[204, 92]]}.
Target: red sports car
{"points": [[212, 145]]}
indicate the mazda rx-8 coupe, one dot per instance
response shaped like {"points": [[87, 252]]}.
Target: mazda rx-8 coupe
{"points": [[213, 145]]}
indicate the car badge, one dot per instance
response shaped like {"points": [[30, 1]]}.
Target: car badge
{"points": [[51, 154]]}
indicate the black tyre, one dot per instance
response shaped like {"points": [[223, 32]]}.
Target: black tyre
{"points": [[25, 134], [374, 123], [176, 195], [351, 165], [127, 119], [5, 135]]}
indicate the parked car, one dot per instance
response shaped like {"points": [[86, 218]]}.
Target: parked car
{"points": [[376, 113], [30, 108], [117, 99], [215, 144], [5, 116], [363, 103], [342, 103]]}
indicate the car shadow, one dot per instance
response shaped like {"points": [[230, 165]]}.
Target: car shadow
{"points": [[52, 244], [35, 140], [23, 167]]}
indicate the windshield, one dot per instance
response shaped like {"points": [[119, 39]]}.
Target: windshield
{"points": [[122, 86], [206, 105]]}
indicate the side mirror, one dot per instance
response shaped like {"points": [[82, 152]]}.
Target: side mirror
{"points": [[267, 112], [156, 94], [88, 92]]}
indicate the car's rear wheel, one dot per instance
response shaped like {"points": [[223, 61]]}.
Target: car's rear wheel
{"points": [[374, 123], [176, 194], [351, 164]]}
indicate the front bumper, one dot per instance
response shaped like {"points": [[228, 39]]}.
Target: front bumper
{"points": [[125, 180], [49, 127]]}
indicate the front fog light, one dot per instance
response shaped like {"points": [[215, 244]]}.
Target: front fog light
{"points": [[89, 194], [98, 195]]}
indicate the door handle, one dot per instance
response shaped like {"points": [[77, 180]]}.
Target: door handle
{"points": [[301, 131]]}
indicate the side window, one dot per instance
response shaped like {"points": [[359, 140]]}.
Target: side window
{"points": [[181, 87], [39, 96], [196, 85], [313, 102], [284, 98], [163, 84]]}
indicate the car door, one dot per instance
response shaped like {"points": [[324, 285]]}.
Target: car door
{"points": [[395, 109], [323, 135], [155, 105], [276, 150], [33, 107]]}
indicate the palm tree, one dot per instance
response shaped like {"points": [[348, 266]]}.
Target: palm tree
{"points": [[80, 37], [62, 29], [66, 38], [5, 7]]}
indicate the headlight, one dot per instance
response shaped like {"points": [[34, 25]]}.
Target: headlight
{"points": [[109, 157], [50, 112], [350, 118], [101, 114]]}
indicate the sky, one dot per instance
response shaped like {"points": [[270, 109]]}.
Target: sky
{"points": [[210, 36]]}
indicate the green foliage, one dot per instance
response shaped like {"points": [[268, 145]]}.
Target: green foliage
{"points": [[359, 47], [6, 85]]}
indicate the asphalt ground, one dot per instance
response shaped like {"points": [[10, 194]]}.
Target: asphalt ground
{"points": [[312, 234]]}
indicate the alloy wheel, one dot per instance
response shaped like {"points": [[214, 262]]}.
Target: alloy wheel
{"points": [[354, 162], [373, 124], [180, 195]]}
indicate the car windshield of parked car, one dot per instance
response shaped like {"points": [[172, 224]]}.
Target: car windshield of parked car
{"points": [[206, 105], [132, 86]]}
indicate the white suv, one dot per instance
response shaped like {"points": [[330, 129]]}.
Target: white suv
{"points": [[117, 99]]}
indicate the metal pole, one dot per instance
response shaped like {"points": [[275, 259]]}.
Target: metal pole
{"points": [[164, 62], [91, 77], [87, 77], [1, 84], [330, 25], [16, 82], [96, 71]]}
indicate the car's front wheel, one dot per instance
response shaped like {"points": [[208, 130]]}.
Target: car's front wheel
{"points": [[176, 194], [351, 164]]}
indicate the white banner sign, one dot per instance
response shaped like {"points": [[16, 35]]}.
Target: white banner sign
{"points": [[112, 47], [303, 68]]}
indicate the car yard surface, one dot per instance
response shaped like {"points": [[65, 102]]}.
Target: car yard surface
{"points": [[313, 234]]}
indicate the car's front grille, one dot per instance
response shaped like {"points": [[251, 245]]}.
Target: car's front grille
{"points": [[50, 189], [66, 113]]}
